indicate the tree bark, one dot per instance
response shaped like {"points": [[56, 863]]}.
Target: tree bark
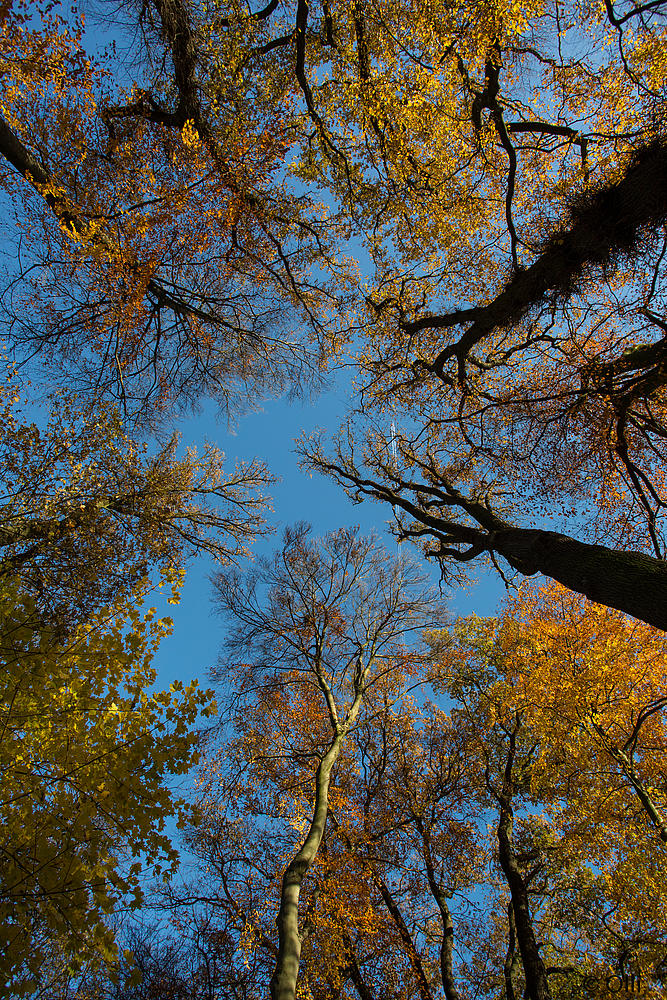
{"points": [[447, 942], [509, 968], [641, 790], [415, 960], [286, 973], [601, 228], [631, 582], [537, 984], [446, 947], [354, 972]]}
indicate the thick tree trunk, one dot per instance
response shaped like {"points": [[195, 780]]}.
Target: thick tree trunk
{"points": [[628, 581], [511, 958], [632, 582], [601, 229]]}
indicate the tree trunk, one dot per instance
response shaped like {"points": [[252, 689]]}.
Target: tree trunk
{"points": [[628, 581], [447, 949], [511, 959], [423, 987], [537, 984], [631, 582], [602, 228], [354, 972], [641, 790], [447, 942], [286, 973]]}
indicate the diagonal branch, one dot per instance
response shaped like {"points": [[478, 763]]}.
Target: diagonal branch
{"points": [[602, 228]]}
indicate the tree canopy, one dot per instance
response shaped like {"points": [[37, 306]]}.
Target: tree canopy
{"points": [[507, 845], [467, 202], [505, 168], [162, 254], [189, 230], [87, 512], [86, 751], [327, 629]]}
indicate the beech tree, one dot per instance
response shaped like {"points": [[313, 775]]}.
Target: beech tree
{"points": [[162, 253], [563, 698], [325, 628], [95, 200], [505, 167], [505, 174], [85, 755], [505, 847], [364, 900], [87, 513]]}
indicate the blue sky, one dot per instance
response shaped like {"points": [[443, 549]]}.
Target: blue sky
{"points": [[270, 434]]}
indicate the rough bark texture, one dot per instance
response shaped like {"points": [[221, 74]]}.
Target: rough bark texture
{"points": [[628, 581], [511, 958], [605, 226], [632, 582]]}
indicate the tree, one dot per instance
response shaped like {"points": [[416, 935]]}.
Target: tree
{"points": [[509, 184], [365, 925], [474, 152], [565, 700], [87, 513], [601, 718], [162, 252], [501, 848], [86, 753], [595, 680], [187, 961], [91, 523], [324, 627]]}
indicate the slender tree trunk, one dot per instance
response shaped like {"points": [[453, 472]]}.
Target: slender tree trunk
{"points": [[641, 790], [447, 943], [354, 972], [447, 948], [423, 987], [286, 973], [359, 982], [537, 983]]}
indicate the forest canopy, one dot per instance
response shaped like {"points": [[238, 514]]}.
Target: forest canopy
{"points": [[463, 205], [501, 169]]}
